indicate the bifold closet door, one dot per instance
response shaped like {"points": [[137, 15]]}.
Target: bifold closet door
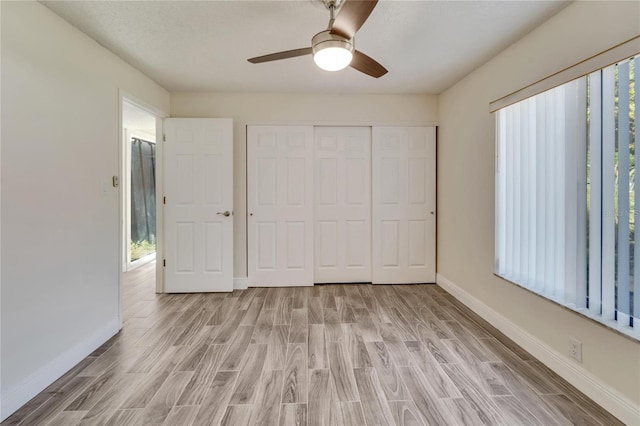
{"points": [[403, 204], [280, 205], [342, 238]]}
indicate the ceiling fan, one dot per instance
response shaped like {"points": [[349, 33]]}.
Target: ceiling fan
{"points": [[333, 49]]}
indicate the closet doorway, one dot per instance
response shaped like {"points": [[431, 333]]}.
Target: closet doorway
{"points": [[340, 205]]}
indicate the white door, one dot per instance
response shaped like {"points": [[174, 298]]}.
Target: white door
{"points": [[403, 210], [280, 205], [198, 211], [342, 204]]}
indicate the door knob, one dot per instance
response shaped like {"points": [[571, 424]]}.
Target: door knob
{"points": [[225, 214]]}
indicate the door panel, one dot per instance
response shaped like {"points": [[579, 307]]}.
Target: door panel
{"points": [[342, 204], [296, 258], [417, 243], [403, 210], [198, 178], [213, 250], [266, 246], [327, 234], [280, 205], [390, 237], [184, 247], [358, 256]]}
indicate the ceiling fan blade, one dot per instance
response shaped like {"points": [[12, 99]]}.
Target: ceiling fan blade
{"points": [[281, 55], [365, 64], [352, 15]]}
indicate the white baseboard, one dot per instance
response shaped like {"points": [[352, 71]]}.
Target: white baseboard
{"points": [[610, 399], [240, 283], [32, 385]]}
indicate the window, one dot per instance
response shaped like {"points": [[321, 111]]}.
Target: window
{"points": [[566, 187], [143, 198]]}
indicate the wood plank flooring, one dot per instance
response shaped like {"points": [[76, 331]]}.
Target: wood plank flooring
{"points": [[324, 355]]}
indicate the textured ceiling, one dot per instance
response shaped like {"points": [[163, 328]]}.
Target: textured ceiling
{"points": [[203, 45]]}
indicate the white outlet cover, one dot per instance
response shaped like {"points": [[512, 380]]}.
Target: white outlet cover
{"points": [[575, 349]]}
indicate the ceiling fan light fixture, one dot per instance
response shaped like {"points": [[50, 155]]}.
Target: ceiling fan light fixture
{"points": [[331, 52], [333, 58]]}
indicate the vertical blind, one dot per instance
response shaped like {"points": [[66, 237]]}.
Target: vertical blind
{"points": [[541, 232], [615, 118], [565, 194]]}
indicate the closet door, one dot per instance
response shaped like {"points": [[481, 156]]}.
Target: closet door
{"points": [[403, 210], [342, 157], [280, 205]]}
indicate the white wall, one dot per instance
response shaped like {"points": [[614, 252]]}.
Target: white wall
{"points": [[466, 189], [60, 110], [270, 108]]}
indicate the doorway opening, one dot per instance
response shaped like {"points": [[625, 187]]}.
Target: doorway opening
{"points": [[139, 185], [140, 221]]}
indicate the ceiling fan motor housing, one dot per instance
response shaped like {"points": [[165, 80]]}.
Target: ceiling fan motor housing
{"points": [[325, 39]]}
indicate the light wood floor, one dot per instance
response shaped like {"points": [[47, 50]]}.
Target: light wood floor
{"points": [[326, 355]]}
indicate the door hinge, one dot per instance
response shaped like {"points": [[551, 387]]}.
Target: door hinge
{"points": [[164, 137], [164, 200], [164, 262]]}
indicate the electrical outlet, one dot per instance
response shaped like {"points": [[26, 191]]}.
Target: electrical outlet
{"points": [[575, 349]]}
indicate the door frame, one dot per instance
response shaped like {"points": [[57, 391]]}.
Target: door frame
{"points": [[122, 202]]}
